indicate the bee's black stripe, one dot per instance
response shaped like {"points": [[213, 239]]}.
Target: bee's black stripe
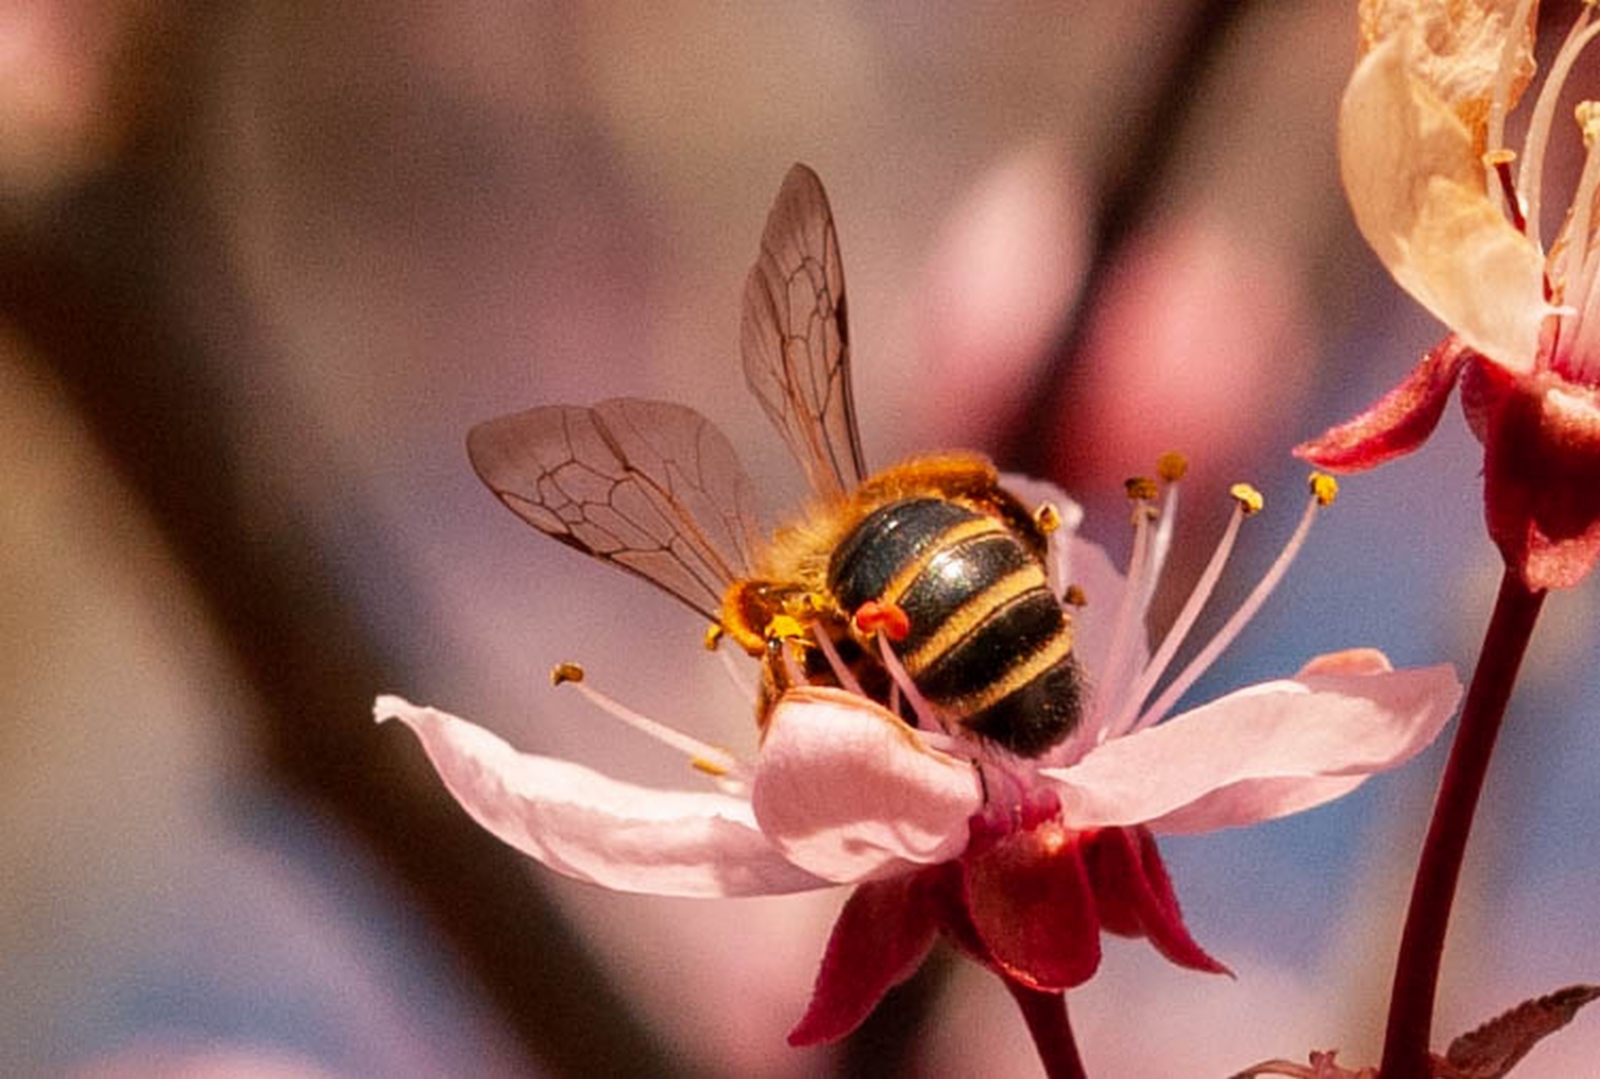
{"points": [[1004, 638], [1036, 715], [953, 577], [883, 544]]}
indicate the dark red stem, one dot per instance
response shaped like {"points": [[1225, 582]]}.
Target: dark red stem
{"points": [[1416, 977], [1046, 1014]]}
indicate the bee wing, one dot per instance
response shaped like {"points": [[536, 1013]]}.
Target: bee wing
{"points": [[794, 339], [648, 486]]}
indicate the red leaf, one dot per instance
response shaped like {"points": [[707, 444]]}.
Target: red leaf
{"points": [[1493, 1049]]}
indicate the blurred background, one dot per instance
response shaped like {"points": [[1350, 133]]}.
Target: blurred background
{"points": [[262, 265]]}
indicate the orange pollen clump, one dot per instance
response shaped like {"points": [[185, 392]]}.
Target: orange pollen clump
{"points": [[890, 619]]}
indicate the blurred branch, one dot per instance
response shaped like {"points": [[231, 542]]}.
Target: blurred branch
{"points": [[86, 290], [1035, 438]]}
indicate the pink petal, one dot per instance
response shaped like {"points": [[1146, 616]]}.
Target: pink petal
{"points": [[1029, 899], [1135, 898], [881, 937], [1400, 420], [848, 791], [593, 828], [1262, 752]]}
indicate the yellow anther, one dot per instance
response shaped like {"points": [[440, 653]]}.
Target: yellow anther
{"points": [[1075, 596], [1047, 517], [1588, 114], [1171, 466], [784, 627], [1248, 497], [709, 767], [1503, 156], [1324, 488], [1141, 488], [565, 672], [713, 637]]}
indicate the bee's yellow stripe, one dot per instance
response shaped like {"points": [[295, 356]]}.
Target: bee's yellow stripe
{"points": [[957, 533], [971, 614], [1021, 673]]}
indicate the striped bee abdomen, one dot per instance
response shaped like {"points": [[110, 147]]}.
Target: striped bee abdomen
{"points": [[988, 642]]}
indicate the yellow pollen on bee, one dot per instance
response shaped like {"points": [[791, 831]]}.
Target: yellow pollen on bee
{"points": [[565, 672], [804, 605], [713, 637], [1324, 488], [1047, 517], [1141, 488], [1171, 466], [1075, 596], [784, 627], [1250, 500]]}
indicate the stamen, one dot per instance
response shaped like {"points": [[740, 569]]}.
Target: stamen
{"points": [[1543, 117], [1141, 489], [1130, 612], [1500, 162], [889, 619], [1047, 517], [927, 716], [1580, 263], [1171, 468], [1181, 625], [844, 674], [1225, 636], [713, 637], [1057, 563], [740, 680], [707, 758], [787, 648], [1505, 73], [1250, 500]]}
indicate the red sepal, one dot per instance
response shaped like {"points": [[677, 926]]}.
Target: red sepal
{"points": [[1398, 422], [882, 935], [1029, 900], [1541, 472], [1136, 899]]}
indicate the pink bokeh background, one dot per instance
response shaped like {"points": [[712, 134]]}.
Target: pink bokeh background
{"points": [[345, 233]]}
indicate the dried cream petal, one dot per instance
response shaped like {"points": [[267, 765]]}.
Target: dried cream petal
{"points": [[1456, 49], [1416, 188]]}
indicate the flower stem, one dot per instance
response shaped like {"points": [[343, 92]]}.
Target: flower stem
{"points": [[1046, 1015], [1416, 978]]}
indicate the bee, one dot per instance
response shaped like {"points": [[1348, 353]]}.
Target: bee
{"points": [[928, 576]]}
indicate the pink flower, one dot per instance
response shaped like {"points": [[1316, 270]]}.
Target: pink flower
{"points": [[1019, 863], [1432, 186]]}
